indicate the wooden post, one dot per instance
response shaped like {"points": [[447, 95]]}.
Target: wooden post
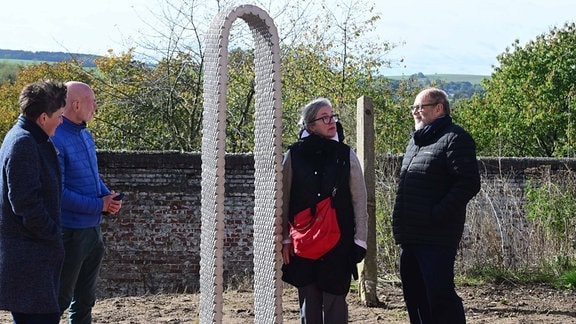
{"points": [[368, 269]]}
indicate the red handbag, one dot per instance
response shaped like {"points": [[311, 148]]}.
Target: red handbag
{"points": [[313, 235]]}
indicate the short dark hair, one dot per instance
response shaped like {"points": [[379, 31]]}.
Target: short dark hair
{"points": [[46, 96]]}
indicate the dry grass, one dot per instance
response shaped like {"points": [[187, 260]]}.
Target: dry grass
{"points": [[498, 234]]}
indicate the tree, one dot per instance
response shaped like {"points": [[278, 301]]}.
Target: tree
{"points": [[10, 90], [333, 57], [148, 107], [529, 106], [150, 98], [393, 120], [8, 71], [322, 55], [9, 108]]}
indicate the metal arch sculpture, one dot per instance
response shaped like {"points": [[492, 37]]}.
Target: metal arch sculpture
{"points": [[267, 165]]}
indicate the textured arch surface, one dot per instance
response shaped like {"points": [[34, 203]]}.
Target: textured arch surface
{"points": [[267, 165]]}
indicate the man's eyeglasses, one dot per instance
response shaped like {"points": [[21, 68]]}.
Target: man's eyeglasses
{"points": [[420, 107], [327, 119]]}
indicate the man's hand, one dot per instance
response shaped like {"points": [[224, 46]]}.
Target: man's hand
{"points": [[111, 206]]}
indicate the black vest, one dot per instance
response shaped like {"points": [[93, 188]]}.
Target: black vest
{"points": [[320, 168]]}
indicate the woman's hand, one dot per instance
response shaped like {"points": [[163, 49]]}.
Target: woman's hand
{"points": [[358, 253], [287, 251]]}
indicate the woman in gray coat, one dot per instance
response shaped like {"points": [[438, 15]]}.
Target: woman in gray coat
{"points": [[31, 250]]}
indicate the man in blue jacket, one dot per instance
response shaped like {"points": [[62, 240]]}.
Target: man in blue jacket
{"points": [[85, 198], [439, 175]]}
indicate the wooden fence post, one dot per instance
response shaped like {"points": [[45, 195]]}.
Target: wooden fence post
{"points": [[368, 269]]}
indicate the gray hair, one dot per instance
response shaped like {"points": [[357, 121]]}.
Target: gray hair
{"points": [[310, 110], [439, 96]]}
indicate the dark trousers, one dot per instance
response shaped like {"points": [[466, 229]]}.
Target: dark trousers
{"points": [[427, 274], [84, 251], [319, 307], [50, 318]]}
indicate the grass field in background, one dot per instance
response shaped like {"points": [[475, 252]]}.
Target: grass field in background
{"points": [[18, 62], [474, 79]]}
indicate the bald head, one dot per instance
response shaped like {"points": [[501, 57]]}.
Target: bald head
{"points": [[80, 102]]}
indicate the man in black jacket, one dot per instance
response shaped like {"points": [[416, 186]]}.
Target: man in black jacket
{"points": [[439, 175]]}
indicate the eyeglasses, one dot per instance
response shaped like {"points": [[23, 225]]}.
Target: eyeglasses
{"points": [[326, 119], [420, 107]]}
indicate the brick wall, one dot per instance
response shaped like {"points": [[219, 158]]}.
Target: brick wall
{"points": [[153, 244]]}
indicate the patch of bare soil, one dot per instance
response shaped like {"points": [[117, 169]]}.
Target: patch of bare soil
{"points": [[492, 304]]}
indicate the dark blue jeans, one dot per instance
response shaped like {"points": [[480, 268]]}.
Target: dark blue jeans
{"points": [[84, 250], [22, 318], [427, 274]]}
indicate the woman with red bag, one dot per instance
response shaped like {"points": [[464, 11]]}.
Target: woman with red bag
{"points": [[324, 216]]}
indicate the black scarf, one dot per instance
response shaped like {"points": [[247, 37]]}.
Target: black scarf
{"points": [[430, 132]]}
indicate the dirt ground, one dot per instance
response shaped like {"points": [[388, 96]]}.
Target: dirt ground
{"points": [[492, 304]]}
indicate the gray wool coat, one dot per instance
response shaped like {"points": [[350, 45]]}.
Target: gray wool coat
{"points": [[31, 249]]}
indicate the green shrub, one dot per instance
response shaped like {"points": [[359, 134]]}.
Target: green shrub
{"points": [[567, 280], [553, 205]]}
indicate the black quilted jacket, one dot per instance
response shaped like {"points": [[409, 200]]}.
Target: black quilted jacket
{"points": [[439, 175]]}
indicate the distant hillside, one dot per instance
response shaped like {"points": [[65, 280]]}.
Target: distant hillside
{"points": [[88, 59], [473, 79], [456, 85]]}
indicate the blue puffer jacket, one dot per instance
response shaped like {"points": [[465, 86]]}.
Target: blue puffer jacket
{"points": [[82, 185]]}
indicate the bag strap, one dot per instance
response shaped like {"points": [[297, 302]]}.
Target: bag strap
{"points": [[337, 181], [341, 167]]}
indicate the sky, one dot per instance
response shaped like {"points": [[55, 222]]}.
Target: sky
{"points": [[433, 37]]}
